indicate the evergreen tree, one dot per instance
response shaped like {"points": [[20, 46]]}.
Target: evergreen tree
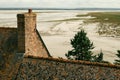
{"points": [[98, 58], [82, 47], [118, 55]]}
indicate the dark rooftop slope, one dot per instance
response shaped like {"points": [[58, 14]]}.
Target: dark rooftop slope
{"points": [[39, 68]]}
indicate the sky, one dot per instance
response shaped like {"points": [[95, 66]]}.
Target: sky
{"points": [[60, 3]]}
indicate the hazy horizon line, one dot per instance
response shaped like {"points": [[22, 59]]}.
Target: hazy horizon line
{"points": [[25, 8]]}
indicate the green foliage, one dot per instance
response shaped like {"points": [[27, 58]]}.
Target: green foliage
{"points": [[118, 55], [98, 58], [82, 47]]}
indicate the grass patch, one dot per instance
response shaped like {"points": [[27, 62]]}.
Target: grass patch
{"points": [[104, 17], [71, 19], [108, 22], [82, 15]]}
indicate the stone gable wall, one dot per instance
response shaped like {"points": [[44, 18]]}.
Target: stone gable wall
{"points": [[8, 47], [59, 69], [7, 37], [7, 31]]}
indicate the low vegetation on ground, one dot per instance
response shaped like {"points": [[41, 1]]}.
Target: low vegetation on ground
{"points": [[105, 17], [108, 22]]}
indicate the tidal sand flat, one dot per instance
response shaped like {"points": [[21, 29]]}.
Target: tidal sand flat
{"points": [[57, 27], [102, 28]]}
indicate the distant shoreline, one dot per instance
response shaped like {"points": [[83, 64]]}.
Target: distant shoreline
{"points": [[61, 9]]}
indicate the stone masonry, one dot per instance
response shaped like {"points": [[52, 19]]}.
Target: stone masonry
{"points": [[29, 40], [16, 42], [60, 69]]}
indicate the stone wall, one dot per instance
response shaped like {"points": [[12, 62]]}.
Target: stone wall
{"points": [[59, 69], [8, 57], [6, 32], [7, 36]]}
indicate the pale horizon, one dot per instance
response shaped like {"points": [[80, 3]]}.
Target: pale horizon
{"points": [[60, 3]]}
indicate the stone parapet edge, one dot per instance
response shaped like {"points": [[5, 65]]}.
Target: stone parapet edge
{"points": [[109, 65]]}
